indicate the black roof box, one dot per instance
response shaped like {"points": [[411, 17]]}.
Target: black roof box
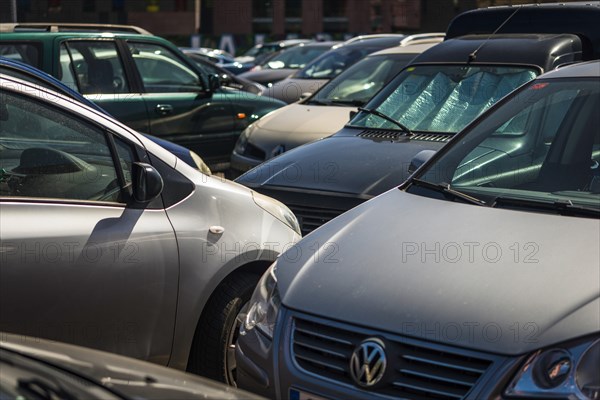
{"points": [[579, 18]]}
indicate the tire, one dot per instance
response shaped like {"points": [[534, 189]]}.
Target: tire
{"points": [[213, 346]]}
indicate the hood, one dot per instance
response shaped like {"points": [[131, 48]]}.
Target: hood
{"points": [[266, 76], [297, 124], [291, 89], [402, 263], [133, 378], [346, 164]]}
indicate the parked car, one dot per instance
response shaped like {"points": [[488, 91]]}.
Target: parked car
{"points": [[226, 78], [323, 113], [110, 242], [147, 83], [34, 368], [317, 73], [258, 53], [477, 279], [284, 63], [30, 74], [442, 90]]}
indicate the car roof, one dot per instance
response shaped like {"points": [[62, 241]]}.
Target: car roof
{"points": [[580, 18], [70, 27], [49, 36], [326, 44], [590, 69], [525, 49], [414, 44]]}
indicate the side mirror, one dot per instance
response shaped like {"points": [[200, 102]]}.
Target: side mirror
{"points": [[147, 182], [224, 79], [214, 82], [419, 159]]}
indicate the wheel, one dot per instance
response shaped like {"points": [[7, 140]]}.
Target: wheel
{"points": [[213, 348]]}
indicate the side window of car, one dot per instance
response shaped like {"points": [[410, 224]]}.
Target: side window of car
{"points": [[92, 67], [46, 153], [162, 71], [27, 53]]}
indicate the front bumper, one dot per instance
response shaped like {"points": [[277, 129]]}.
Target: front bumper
{"points": [[272, 368]]}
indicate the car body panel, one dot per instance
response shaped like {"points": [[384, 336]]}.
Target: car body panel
{"points": [[431, 285], [336, 164], [268, 77], [173, 275], [124, 376]]}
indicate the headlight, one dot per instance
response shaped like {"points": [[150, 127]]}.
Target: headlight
{"points": [[264, 305], [240, 145], [566, 372], [202, 167], [278, 210]]}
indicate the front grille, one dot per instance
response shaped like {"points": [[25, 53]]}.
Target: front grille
{"points": [[310, 218], [419, 370]]}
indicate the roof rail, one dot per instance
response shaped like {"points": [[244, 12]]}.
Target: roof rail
{"points": [[422, 38], [70, 27], [374, 36]]}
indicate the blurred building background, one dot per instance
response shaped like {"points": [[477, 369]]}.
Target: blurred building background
{"points": [[248, 21]]}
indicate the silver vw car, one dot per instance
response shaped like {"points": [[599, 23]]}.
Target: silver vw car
{"points": [[111, 242], [478, 278]]}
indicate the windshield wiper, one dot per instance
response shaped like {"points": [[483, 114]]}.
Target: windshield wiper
{"points": [[356, 103], [560, 207], [387, 118], [445, 189]]}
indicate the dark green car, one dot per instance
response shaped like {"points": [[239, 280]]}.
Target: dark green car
{"points": [[147, 83]]}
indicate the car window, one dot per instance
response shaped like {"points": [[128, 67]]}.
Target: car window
{"points": [[294, 58], [442, 98], [162, 71], [543, 144], [47, 153], [92, 67], [333, 62], [360, 82], [27, 53]]}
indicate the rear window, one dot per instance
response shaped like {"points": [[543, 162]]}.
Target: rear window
{"points": [[28, 53]]}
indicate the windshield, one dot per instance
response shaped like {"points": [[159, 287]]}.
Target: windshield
{"points": [[442, 98], [295, 58], [541, 146], [331, 64], [360, 82]]}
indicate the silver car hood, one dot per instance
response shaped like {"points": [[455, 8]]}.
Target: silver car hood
{"points": [[392, 264], [296, 124]]}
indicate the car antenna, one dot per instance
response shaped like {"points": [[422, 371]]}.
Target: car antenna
{"points": [[473, 55]]}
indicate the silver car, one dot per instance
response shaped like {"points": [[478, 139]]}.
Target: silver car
{"points": [[478, 278], [111, 242]]}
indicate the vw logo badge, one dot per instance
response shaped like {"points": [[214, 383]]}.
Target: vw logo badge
{"points": [[368, 362]]}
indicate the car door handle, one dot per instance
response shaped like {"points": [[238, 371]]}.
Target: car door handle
{"points": [[164, 109]]}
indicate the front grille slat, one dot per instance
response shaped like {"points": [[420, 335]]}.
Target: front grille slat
{"points": [[419, 370], [321, 362], [433, 377], [427, 390], [443, 364], [311, 218]]}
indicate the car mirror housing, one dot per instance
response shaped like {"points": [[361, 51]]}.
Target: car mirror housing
{"points": [[419, 159], [147, 182]]}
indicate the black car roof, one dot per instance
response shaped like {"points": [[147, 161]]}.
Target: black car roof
{"points": [[546, 51], [580, 18]]}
